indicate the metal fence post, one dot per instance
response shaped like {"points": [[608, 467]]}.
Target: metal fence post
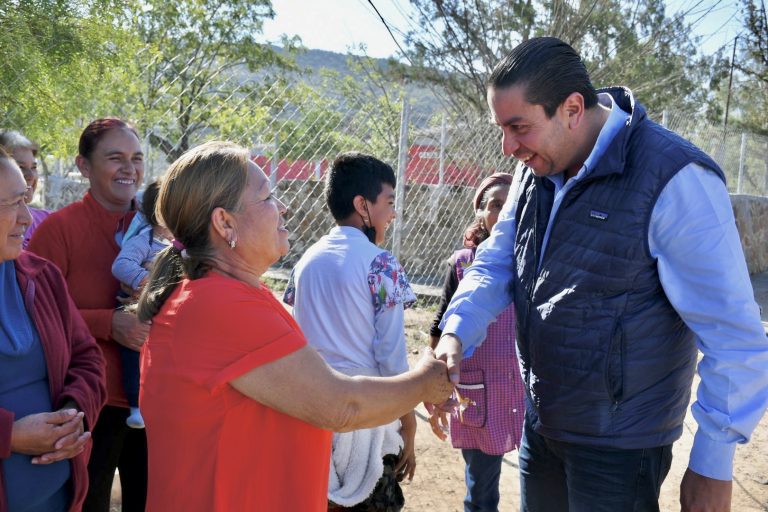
{"points": [[402, 162], [274, 164], [441, 169], [742, 156], [765, 169]]}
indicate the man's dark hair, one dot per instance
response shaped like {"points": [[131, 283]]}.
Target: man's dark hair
{"points": [[549, 69], [355, 174]]}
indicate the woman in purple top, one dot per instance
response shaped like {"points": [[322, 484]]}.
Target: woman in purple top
{"points": [[24, 152], [489, 419]]}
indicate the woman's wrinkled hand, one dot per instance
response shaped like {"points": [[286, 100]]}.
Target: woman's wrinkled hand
{"points": [[68, 446], [128, 331], [437, 387], [46, 433]]}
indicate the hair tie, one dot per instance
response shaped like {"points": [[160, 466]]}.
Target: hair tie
{"points": [[180, 248]]}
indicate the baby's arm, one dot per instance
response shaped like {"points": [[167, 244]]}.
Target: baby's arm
{"points": [[128, 267]]}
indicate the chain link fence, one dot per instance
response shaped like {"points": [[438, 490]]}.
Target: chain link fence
{"points": [[296, 128], [743, 156]]}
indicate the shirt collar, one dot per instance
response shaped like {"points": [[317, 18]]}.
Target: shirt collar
{"points": [[348, 231], [616, 120]]}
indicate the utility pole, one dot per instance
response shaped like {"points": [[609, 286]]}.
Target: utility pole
{"points": [[730, 82]]}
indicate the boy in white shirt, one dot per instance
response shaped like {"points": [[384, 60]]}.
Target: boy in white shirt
{"points": [[348, 296]]}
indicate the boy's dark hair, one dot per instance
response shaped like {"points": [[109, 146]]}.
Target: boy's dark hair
{"points": [[148, 202], [549, 69], [355, 174]]}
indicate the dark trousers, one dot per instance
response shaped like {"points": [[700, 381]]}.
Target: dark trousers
{"points": [[117, 446], [563, 477], [482, 475], [130, 363]]}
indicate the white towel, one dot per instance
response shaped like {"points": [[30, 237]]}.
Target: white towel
{"points": [[356, 461]]}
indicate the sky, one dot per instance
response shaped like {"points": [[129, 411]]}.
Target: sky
{"points": [[339, 25]]}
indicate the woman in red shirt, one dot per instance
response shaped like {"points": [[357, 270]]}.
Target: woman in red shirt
{"points": [[238, 409], [82, 240]]}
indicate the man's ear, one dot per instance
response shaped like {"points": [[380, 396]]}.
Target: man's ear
{"points": [[223, 223], [83, 165], [360, 206], [572, 109]]}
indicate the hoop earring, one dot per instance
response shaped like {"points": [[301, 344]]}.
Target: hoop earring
{"points": [[232, 244]]}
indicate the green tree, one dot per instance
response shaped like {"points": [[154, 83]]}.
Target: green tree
{"points": [[330, 112], [199, 59], [753, 63], [635, 43], [57, 55]]}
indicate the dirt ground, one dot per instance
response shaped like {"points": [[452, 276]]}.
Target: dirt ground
{"points": [[438, 485]]}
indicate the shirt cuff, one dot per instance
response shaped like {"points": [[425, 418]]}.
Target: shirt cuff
{"points": [[712, 459], [136, 283], [461, 328]]}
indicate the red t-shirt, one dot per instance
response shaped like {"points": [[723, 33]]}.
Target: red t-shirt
{"points": [[210, 447]]}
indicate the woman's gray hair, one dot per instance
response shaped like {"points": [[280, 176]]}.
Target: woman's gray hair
{"points": [[12, 139]]}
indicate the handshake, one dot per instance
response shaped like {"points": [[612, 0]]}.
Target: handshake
{"points": [[443, 365]]}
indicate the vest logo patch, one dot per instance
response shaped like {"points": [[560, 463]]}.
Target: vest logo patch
{"points": [[597, 214]]}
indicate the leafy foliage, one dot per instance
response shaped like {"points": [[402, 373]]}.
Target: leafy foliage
{"points": [[457, 43], [192, 67], [57, 55], [754, 65]]}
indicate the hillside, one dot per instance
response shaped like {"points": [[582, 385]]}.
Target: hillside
{"points": [[424, 101]]}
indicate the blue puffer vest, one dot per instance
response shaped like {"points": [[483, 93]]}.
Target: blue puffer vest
{"points": [[606, 358]]}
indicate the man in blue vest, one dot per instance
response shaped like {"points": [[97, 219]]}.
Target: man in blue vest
{"points": [[621, 254]]}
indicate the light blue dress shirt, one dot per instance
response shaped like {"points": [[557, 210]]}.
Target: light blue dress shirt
{"points": [[702, 269]]}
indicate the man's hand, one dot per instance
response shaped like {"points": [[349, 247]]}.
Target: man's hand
{"points": [[45, 432], [449, 350], [701, 494], [128, 331]]}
